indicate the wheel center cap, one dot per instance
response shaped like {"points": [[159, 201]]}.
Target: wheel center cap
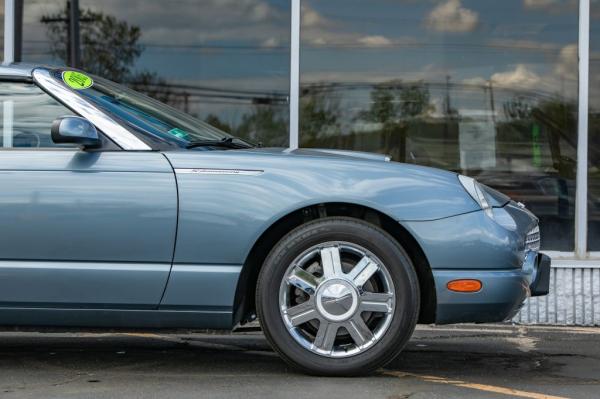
{"points": [[337, 300]]}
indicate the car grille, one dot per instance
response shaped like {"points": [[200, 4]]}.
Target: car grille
{"points": [[532, 241]]}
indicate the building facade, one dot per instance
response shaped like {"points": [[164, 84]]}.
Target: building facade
{"points": [[507, 92]]}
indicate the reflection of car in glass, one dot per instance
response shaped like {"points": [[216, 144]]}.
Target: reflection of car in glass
{"points": [[530, 159], [549, 196], [119, 211]]}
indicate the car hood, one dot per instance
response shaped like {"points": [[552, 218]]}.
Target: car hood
{"points": [[326, 152], [297, 178]]}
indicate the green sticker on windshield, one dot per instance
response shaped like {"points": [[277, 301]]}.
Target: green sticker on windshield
{"points": [[77, 80], [177, 132]]}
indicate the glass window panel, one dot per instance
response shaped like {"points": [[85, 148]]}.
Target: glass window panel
{"points": [[594, 132], [27, 116], [483, 88], [225, 62]]}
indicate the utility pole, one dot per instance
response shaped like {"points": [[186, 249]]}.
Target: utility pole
{"points": [[74, 50], [18, 40], [73, 32], [448, 108], [492, 101]]}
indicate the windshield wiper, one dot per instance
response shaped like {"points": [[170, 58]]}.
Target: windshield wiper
{"points": [[226, 142]]}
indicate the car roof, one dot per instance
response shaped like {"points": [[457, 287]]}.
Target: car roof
{"points": [[17, 71]]}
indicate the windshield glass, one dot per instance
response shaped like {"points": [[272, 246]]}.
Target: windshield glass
{"points": [[155, 120]]}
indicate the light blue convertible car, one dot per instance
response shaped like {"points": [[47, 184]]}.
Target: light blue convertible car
{"points": [[119, 211]]}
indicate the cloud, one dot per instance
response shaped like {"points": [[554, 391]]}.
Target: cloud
{"points": [[451, 16], [375, 41], [568, 62], [270, 42], [427, 73], [311, 18], [536, 4], [161, 23], [476, 81], [319, 31], [520, 77], [558, 78], [551, 6]]}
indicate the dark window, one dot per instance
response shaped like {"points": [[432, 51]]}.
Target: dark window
{"points": [[27, 115], [483, 88], [225, 62]]}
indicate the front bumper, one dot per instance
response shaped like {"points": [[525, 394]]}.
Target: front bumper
{"points": [[500, 298]]}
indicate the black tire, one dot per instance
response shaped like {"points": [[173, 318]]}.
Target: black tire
{"points": [[368, 236]]}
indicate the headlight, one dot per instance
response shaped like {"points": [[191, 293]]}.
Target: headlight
{"points": [[476, 193], [499, 215]]}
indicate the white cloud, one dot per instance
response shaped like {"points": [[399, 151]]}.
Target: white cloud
{"points": [[521, 77], [560, 78], [186, 23], [552, 6], [375, 41], [476, 81], [536, 4], [568, 62], [318, 30], [311, 17], [451, 16], [270, 42]]}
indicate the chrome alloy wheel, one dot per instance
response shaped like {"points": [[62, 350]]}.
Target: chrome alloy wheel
{"points": [[337, 299]]}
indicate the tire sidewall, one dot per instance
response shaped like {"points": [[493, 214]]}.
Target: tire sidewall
{"points": [[376, 241]]}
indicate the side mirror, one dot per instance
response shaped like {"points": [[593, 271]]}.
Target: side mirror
{"points": [[75, 130]]}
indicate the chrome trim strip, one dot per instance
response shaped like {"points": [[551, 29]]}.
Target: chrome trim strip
{"points": [[97, 266], [210, 171], [193, 268], [123, 137]]}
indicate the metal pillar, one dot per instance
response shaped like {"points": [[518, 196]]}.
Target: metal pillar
{"points": [[295, 74], [9, 31], [581, 195]]}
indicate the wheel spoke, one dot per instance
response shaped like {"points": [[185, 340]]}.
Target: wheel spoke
{"points": [[303, 280], [359, 331], [375, 302], [302, 313], [326, 335], [330, 261], [363, 271]]}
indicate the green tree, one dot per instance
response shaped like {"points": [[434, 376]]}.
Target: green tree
{"points": [[265, 125], [109, 47], [414, 101], [319, 116], [215, 121], [156, 87], [393, 106]]}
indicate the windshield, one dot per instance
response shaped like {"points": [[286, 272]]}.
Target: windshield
{"points": [[157, 121]]}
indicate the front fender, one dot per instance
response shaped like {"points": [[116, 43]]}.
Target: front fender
{"points": [[222, 215]]}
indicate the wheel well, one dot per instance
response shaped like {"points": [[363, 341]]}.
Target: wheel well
{"points": [[244, 302]]}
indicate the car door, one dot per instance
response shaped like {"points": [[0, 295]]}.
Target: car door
{"points": [[78, 229]]}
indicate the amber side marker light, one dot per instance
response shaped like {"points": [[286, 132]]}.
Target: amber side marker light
{"points": [[464, 285]]}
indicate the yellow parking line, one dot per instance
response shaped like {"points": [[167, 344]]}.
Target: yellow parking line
{"points": [[479, 387], [143, 335]]}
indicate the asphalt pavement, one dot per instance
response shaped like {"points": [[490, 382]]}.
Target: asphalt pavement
{"points": [[464, 361]]}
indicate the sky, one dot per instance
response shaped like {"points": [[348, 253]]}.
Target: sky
{"points": [[243, 44]]}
